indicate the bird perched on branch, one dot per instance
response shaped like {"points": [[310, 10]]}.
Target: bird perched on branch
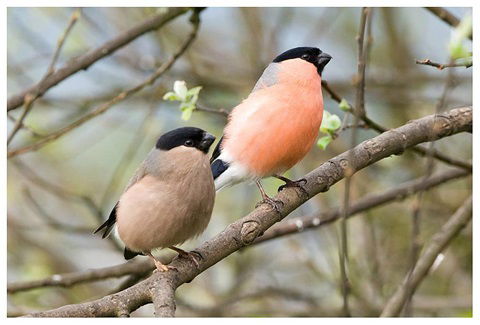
{"points": [[276, 125], [169, 199]]}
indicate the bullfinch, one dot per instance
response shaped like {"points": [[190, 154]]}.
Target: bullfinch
{"points": [[169, 199], [276, 125]]}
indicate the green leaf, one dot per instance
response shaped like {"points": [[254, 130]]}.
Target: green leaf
{"points": [[187, 110], [458, 50], [323, 126], [194, 91], [456, 45], [344, 105], [323, 142], [187, 114], [187, 97], [334, 122], [330, 123], [170, 96], [192, 95]]}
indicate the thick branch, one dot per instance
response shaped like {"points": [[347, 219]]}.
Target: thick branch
{"points": [[380, 129], [368, 202], [293, 226], [89, 58], [244, 231], [438, 243]]}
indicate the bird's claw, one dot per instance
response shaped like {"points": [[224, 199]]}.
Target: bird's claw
{"points": [[274, 204], [160, 267], [298, 184], [194, 256]]}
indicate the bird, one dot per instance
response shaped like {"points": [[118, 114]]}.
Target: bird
{"points": [[276, 125], [169, 199]]}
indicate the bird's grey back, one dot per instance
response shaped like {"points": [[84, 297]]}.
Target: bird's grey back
{"points": [[268, 78]]}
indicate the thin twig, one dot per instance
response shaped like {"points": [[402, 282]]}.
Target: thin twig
{"points": [[346, 126], [51, 220], [134, 146], [30, 98], [89, 58], [57, 190], [32, 132], [220, 111], [446, 16], [118, 98], [19, 122], [380, 129], [73, 19], [438, 243], [417, 204], [441, 66], [70, 279], [300, 224], [360, 105]]}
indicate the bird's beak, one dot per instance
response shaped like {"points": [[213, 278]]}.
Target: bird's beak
{"points": [[323, 60], [206, 142]]}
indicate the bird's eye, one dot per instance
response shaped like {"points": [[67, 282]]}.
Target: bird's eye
{"points": [[189, 143], [305, 56]]}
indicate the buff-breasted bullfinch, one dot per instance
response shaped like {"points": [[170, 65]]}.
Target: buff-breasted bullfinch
{"points": [[276, 125], [170, 197]]}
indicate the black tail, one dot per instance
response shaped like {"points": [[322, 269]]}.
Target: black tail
{"points": [[128, 254], [218, 167], [108, 225]]}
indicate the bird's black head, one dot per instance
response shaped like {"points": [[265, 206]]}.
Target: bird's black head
{"points": [[188, 137], [310, 54]]}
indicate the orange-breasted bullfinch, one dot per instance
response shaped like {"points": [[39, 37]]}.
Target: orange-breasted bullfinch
{"points": [[276, 125], [170, 197]]}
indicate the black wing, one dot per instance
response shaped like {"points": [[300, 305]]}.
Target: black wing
{"points": [[216, 152], [108, 225]]}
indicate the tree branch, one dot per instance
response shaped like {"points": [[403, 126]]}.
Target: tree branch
{"points": [[118, 98], [89, 58], [438, 243], [365, 18], [18, 123], [244, 231], [61, 41], [441, 66], [446, 16], [380, 129], [70, 279], [290, 227], [297, 225], [221, 111]]}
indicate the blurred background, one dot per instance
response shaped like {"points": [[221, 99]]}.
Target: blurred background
{"points": [[60, 193]]}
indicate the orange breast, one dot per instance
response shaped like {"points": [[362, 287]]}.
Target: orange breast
{"points": [[275, 127]]}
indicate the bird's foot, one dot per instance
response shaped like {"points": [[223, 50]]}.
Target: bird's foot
{"points": [[289, 183], [160, 267], [194, 256], [276, 205]]}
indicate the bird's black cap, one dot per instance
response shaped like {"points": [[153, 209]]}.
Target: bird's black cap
{"points": [[310, 54], [186, 136]]}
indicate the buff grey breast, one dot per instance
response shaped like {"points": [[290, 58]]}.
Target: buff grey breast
{"points": [[169, 199]]}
